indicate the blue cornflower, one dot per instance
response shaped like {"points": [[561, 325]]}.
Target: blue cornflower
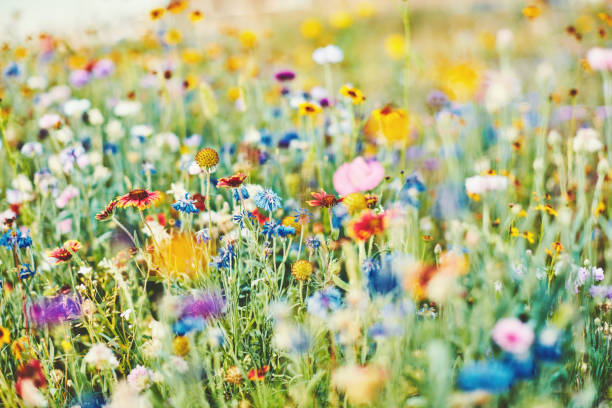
{"points": [[15, 237], [284, 230], [380, 276], [243, 195], [410, 191], [302, 215], [548, 345], [202, 236], [186, 205], [188, 324], [323, 302], [12, 70], [148, 168], [523, 366], [225, 258], [110, 148], [269, 228], [491, 376], [239, 218], [268, 200], [313, 243], [26, 271]]}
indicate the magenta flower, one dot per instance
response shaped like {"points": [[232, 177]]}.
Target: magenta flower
{"points": [[512, 335], [358, 175]]}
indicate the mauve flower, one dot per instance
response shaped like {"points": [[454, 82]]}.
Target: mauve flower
{"points": [[600, 59], [103, 68], [205, 305], [512, 335], [282, 76], [79, 78], [357, 176], [61, 308]]}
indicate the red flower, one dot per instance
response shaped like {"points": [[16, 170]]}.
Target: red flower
{"points": [[107, 212], [64, 253], [258, 374], [31, 371], [140, 198], [371, 200], [261, 218], [200, 201], [367, 225], [322, 199], [231, 182]]}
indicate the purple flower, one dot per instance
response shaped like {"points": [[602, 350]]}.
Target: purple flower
{"points": [[283, 76], [598, 274], [103, 68], [58, 309], [205, 305], [79, 78]]}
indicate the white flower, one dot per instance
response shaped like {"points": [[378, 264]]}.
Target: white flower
{"points": [[179, 364], [100, 356], [31, 149], [76, 107], [177, 190], [125, 396], [139, 378], [126, 108], [85, 270], [504, 38], [95, 117], [587, 140], [126, 314], [60, 93], [31, 396], [482, 184], [331, 54], [49, 120], [114, 130], [37, 83]]}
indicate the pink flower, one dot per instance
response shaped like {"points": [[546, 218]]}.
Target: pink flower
{"points": [[65, 226], [64, 198], [512, 335], [600, 59], [358, 175]]}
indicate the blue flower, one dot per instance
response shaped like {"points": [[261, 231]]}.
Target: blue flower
{"points": [[188, 324], [267, 200], [26, 271], [410, 190], [380, 277], [313, 243], [548, 345], [202, 236], [244, 193], [12, 70], [523, 366], [269, 228], [323, 302], [187, 205], [285, 141], [225, 258], [15, 237], [148, 168], [284, 230], [491, 376], [302, 215], [110, 148]]}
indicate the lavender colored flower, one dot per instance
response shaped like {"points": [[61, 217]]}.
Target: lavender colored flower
{"points": [[79, 78], [206, 305], [55, 310], [323, 302], [103, 68], [437, 100]]}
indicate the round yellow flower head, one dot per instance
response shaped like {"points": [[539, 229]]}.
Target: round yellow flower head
{"points": [[302, 270], [207, 158], [233, 375], [309, 109], [355, 202], [311, 28], [289, 221], [180, 346]]}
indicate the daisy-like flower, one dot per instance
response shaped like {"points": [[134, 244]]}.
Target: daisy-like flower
{"points": [[139, 198], [268, 200], [367, 225], [186, 205], [309, 109], [5, 335], [64, 253], [157, 13], [207, 159], [302, 270], [322, 199], [353, 93], [195, 16], [232, 182], [258, 374], [107, 212]]}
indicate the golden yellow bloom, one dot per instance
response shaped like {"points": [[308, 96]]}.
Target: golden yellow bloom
{"points": [[289, 221], [173, 37], [195, 16], [395, 46], [309, 108], [20, 53], [191, 56], [233, 375], [234, 63], [514, 232], [77, 62], [365, 9], [157, 13], [601, 208], [181, 256], [207, 158], [311, 28], [529, 236], [341, 20], [5, 335], [355, 202], [180, 346], [302, 270], [177, 6], [388, 123], [213, 50], [354, 93], [18, 347], [248, 39], [190, 82], [460, 81], [66, 345], [531, 12], [234, 93]]}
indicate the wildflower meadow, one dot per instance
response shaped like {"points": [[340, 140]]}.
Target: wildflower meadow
{"points": [[346, 204]]}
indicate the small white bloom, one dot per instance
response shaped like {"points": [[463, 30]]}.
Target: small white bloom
{"points": [[100, 356]]}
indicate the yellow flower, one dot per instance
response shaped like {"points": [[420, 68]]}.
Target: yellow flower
{"points": [[191, 56], [20, 53], [289, 221], [388, 123], [514, 232], [309, 108], [355, 202], [77, 62], [531, 12], [173, 37], [601, 208], [341, 20], [365, 9], [207, 158], [180, 346], [233, 375], [395, 46], [190, 82], [354, 93], [66, 345], [460, 81], [311, 28], [177, 6], [157, 13], [234, 63], [529, 236], [196, 16], [5, 335], [234, 93], [18, 347], [302, 270], [248, 39]]}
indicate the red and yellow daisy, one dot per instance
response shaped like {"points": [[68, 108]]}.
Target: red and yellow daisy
{"points": [[367, 225], [258, 374], [322, 199], [107, 212], [139, 198], [231, 182], [65, 252]]}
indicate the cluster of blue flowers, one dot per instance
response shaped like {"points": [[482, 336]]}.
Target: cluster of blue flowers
{"points": [[186, 205], [15, 237], [274, 228]]}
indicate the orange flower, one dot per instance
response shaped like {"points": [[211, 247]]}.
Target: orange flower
{"points": [[140, 198], [258, 374], [107, 212], [322, 199], [232, 181], [176, 6], [367, 225], [64, 253]]}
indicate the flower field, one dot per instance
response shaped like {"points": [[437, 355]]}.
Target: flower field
{"points": [[385, 204]]}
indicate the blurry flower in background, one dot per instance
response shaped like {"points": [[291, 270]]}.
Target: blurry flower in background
{"points": [[361, 384], [358, 176], [388, 124], [101, 357], [330, 54], [52, 311], [491, 376], [512, 335]]}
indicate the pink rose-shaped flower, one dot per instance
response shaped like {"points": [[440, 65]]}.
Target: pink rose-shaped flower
{"points": [[512, 335], [358, 175]]}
